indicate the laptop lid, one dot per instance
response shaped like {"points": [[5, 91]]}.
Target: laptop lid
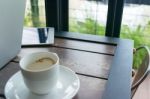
{"points": [[11, 27], [37, 36]]}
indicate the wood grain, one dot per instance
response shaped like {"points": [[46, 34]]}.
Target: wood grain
{"points": [[87, 46], [81, 62], [6, 73], [91, 88]]}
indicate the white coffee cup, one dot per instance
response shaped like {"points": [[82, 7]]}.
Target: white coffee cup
{"points": [[40, 81]]}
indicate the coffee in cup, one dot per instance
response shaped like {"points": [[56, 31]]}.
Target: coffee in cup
{"points": [[40, 71], [40, 64]]}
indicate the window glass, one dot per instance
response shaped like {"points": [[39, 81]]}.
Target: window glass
{"points": [[136, 25], [88, 16], [136, 22], [35, 13]]}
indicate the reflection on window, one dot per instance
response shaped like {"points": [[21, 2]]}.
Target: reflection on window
{"points": [[35, 13], [88, 16]]}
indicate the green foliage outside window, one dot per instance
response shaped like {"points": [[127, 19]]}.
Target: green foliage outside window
{"points": [[33, 16], [141, 36], [89, 26]]}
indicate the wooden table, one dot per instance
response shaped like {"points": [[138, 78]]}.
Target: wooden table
{"points": [[104, 69]]}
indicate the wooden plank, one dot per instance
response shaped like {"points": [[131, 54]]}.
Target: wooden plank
{"points": [[86, 63], [143, 91], [90, 88], [6, 73], [88, 46]]}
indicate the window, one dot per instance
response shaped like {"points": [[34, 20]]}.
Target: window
{"points": [[136, 25], [88, 16], [35, 13], [58, 15], [136, 22]]}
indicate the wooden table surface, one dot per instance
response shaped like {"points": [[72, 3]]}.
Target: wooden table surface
{"points": [[90, 61]]}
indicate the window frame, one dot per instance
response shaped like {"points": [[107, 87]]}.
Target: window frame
{"points": [[114, 18], [57, 16]]}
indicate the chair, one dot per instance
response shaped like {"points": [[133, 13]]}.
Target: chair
{"points": [[143, 70]]}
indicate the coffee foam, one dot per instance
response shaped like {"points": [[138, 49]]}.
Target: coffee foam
{"points": [[40, 64]]}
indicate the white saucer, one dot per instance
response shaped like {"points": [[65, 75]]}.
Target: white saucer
{"points": [[66, 87]]}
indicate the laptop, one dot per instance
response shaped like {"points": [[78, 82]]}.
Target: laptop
{"points": [[11, 27], [37, 36]]}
